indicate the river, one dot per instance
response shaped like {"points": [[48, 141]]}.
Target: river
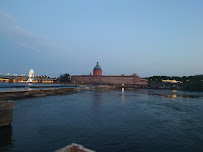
{"points": [[108, 121]]}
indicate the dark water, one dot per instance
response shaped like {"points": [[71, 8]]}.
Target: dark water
{"points": [[108, 122]]}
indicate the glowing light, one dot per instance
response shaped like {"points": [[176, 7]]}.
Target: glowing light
{"points": [[31, 75]]}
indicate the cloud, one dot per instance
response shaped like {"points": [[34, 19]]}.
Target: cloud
{"points": [[10, 28]]}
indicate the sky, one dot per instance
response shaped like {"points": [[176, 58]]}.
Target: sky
{"points": [[148, 37]]}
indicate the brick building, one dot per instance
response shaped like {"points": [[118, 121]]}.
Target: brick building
{"points": [[98, 78]]}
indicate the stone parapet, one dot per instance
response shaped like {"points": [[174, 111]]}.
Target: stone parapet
{"points": [[6, 112]]}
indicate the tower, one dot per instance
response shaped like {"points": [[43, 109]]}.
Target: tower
{"points": [[97, 71]]}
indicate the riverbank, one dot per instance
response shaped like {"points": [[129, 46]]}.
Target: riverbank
{"points": [[19, 94]]}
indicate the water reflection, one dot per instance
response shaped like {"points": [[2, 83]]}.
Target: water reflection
{"points": [[97, 100], [29, 84], [5, 137], [168, 95], [123, 96]]}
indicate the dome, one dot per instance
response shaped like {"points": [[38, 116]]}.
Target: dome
{"points": [[135, 74], [97, 67]]}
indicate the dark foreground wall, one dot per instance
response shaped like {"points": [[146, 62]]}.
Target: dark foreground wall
{"points": [[6, 112]]}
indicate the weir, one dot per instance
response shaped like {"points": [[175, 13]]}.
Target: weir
{"points": [[19, 94]]}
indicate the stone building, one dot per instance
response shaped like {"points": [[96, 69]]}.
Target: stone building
{"points": [[98, 78]]}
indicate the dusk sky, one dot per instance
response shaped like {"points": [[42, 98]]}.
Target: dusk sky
{"points": [[148, 37]]}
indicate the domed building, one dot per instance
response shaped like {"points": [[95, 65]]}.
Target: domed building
{"points": [[97, 71], [98, 78]]}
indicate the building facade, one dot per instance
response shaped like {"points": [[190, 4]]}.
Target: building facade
{"points": [[98, 78]]}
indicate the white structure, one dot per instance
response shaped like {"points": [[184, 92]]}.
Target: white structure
{"points": [[31, 75], [74, 148], [171, 81]]}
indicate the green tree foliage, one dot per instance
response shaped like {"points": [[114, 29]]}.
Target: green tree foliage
{"points": [[64, 78], [192, 83]]}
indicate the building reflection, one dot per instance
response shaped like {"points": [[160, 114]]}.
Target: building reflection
{"points": [[174, 96], [174, 91], [96, 100], [5, 137], [123, 95]]}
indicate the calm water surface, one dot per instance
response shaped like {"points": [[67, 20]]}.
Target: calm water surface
{"points": [[108, 122]]}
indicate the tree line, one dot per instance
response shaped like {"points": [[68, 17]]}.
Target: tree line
{"points": [[191, 83], [64, 78]]}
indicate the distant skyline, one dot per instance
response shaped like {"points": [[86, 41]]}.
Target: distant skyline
{"points": [[133, 36]]}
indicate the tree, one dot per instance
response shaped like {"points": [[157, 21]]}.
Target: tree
{"points": [[194, 83], [64, 78]]}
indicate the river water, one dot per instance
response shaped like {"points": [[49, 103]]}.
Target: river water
{"points": [[108, 121]]}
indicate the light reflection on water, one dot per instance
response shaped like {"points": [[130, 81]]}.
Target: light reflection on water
{"points": [[174, 91], [141, 120]]}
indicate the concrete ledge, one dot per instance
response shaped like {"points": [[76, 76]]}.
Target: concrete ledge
{"points": [[19, 94], [74, 148], [6, 112]]}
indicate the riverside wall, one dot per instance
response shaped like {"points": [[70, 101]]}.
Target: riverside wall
{"points": [[6, 112], [19, 94]]}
